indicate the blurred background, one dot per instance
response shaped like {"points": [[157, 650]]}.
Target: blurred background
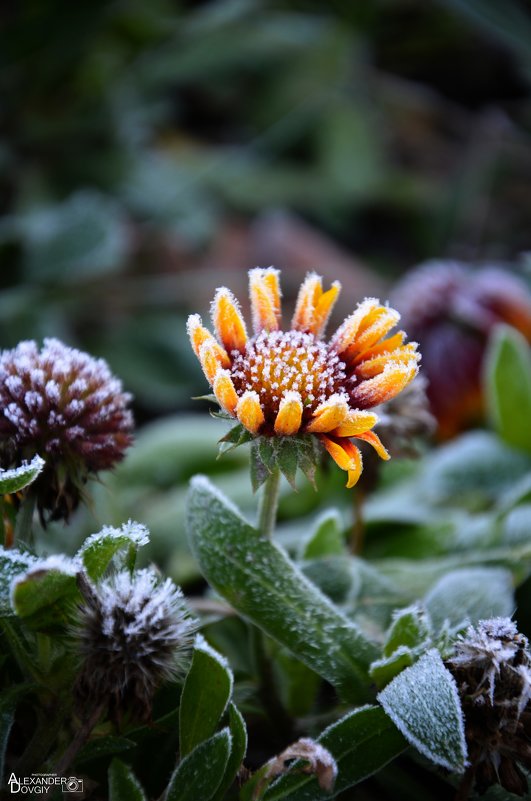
{"points": [[150, 152]]}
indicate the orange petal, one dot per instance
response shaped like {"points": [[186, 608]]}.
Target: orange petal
{"points": [[374, 440], [348, 330], [212, 357], [307, 299], [385, 346], [372, 367], [228, 321], [324, 307], [346, 456], [198, 333], [249, 412], [265, 299], [377, 324], [289, 415], [384, 386], [357, 422], [328, 415], [225, 392]]}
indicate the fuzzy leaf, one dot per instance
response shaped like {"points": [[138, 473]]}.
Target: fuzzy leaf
{"points": [[19, 477], [361, 743], [508, 383], [123, 784], [332, 574], [258, 579], [410, 627], [206, 693], [43, 596], [470, 594], [424, 704], [12, 564], [385, 669], [201, 772], [98, 549], [327, 537], [238, 750], [259, 472], [104, 746]]}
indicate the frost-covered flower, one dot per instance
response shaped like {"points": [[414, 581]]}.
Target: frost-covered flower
{"points": [[66, 406], [134, 632], [492, 667], [286, 383], [450, 310]]}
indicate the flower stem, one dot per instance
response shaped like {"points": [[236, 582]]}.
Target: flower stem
{"points": [[267, 511], [24, 523]]}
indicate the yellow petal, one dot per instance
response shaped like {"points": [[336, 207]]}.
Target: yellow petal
{"points": [[228, 321], [384, 386], [212, 358], [328, 415], [289, 417], [386, 346], [265, 299], [356, 423], [377, 324], [372, 367], [249, 412], [346, 456], [309, 294], [224, 391], [348, 330], [323, 309], [374, 440], [198, 333]]}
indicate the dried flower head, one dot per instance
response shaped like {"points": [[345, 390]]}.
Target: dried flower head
{"points": [[492, 668], [134, 632], [280, 383], [69, 408], [451, 309]]}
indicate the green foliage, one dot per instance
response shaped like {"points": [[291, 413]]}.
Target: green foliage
{"points": [[123, 786], [14, 480], [201, 772]]}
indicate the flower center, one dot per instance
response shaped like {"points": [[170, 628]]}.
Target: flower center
{"points": [[282, 361]]}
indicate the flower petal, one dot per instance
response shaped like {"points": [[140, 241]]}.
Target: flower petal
{"points": [[374, 327], [265, 299], [224, 391], [357, 422], [249, 412], [228, 321], [346, 456], [289, 417], [386, 346], [314, 306], [384, 386], [198, 333], [348, 330], [374, 440], [329, 415], [212, 356], [372, 367]]}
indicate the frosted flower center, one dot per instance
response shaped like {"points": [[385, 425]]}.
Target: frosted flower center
{"points": [[282, 361]]}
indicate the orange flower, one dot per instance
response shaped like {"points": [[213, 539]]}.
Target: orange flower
{"points": [[280, 383]]}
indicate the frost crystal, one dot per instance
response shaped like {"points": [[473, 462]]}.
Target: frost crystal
{"points": [[134, 632]]}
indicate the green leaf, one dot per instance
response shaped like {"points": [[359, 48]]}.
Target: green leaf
{"points": [[508, 384], [424, 704], [333, 575], [206, 693], [13, 563], [327, 537], [259, 580], [238, 750], [104, 746], [410, 627], [19, 477], [201, 772], [98, 549], [44, 595], [385, 669], [298, 685], [123, 785], [361, 743], [470, 594]]}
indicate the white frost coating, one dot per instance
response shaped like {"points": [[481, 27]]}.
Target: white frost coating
{"points": [[201, 644], [423, 703], [466, 595], [37, 463], [58, 562], [201, 483], [136, 532]]}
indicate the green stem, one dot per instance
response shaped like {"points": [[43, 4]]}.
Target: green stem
{"points": [[279, 720], [267, 511], [24, 524]]}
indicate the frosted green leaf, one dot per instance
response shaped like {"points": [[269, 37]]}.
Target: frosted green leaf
{"points": [[410, 627], [19, 477], [98, 549], [259, 580], [471, 594], [423, 702], [123, 784], [200, 773], [13, 563], [327, 538], [44, 594]]}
